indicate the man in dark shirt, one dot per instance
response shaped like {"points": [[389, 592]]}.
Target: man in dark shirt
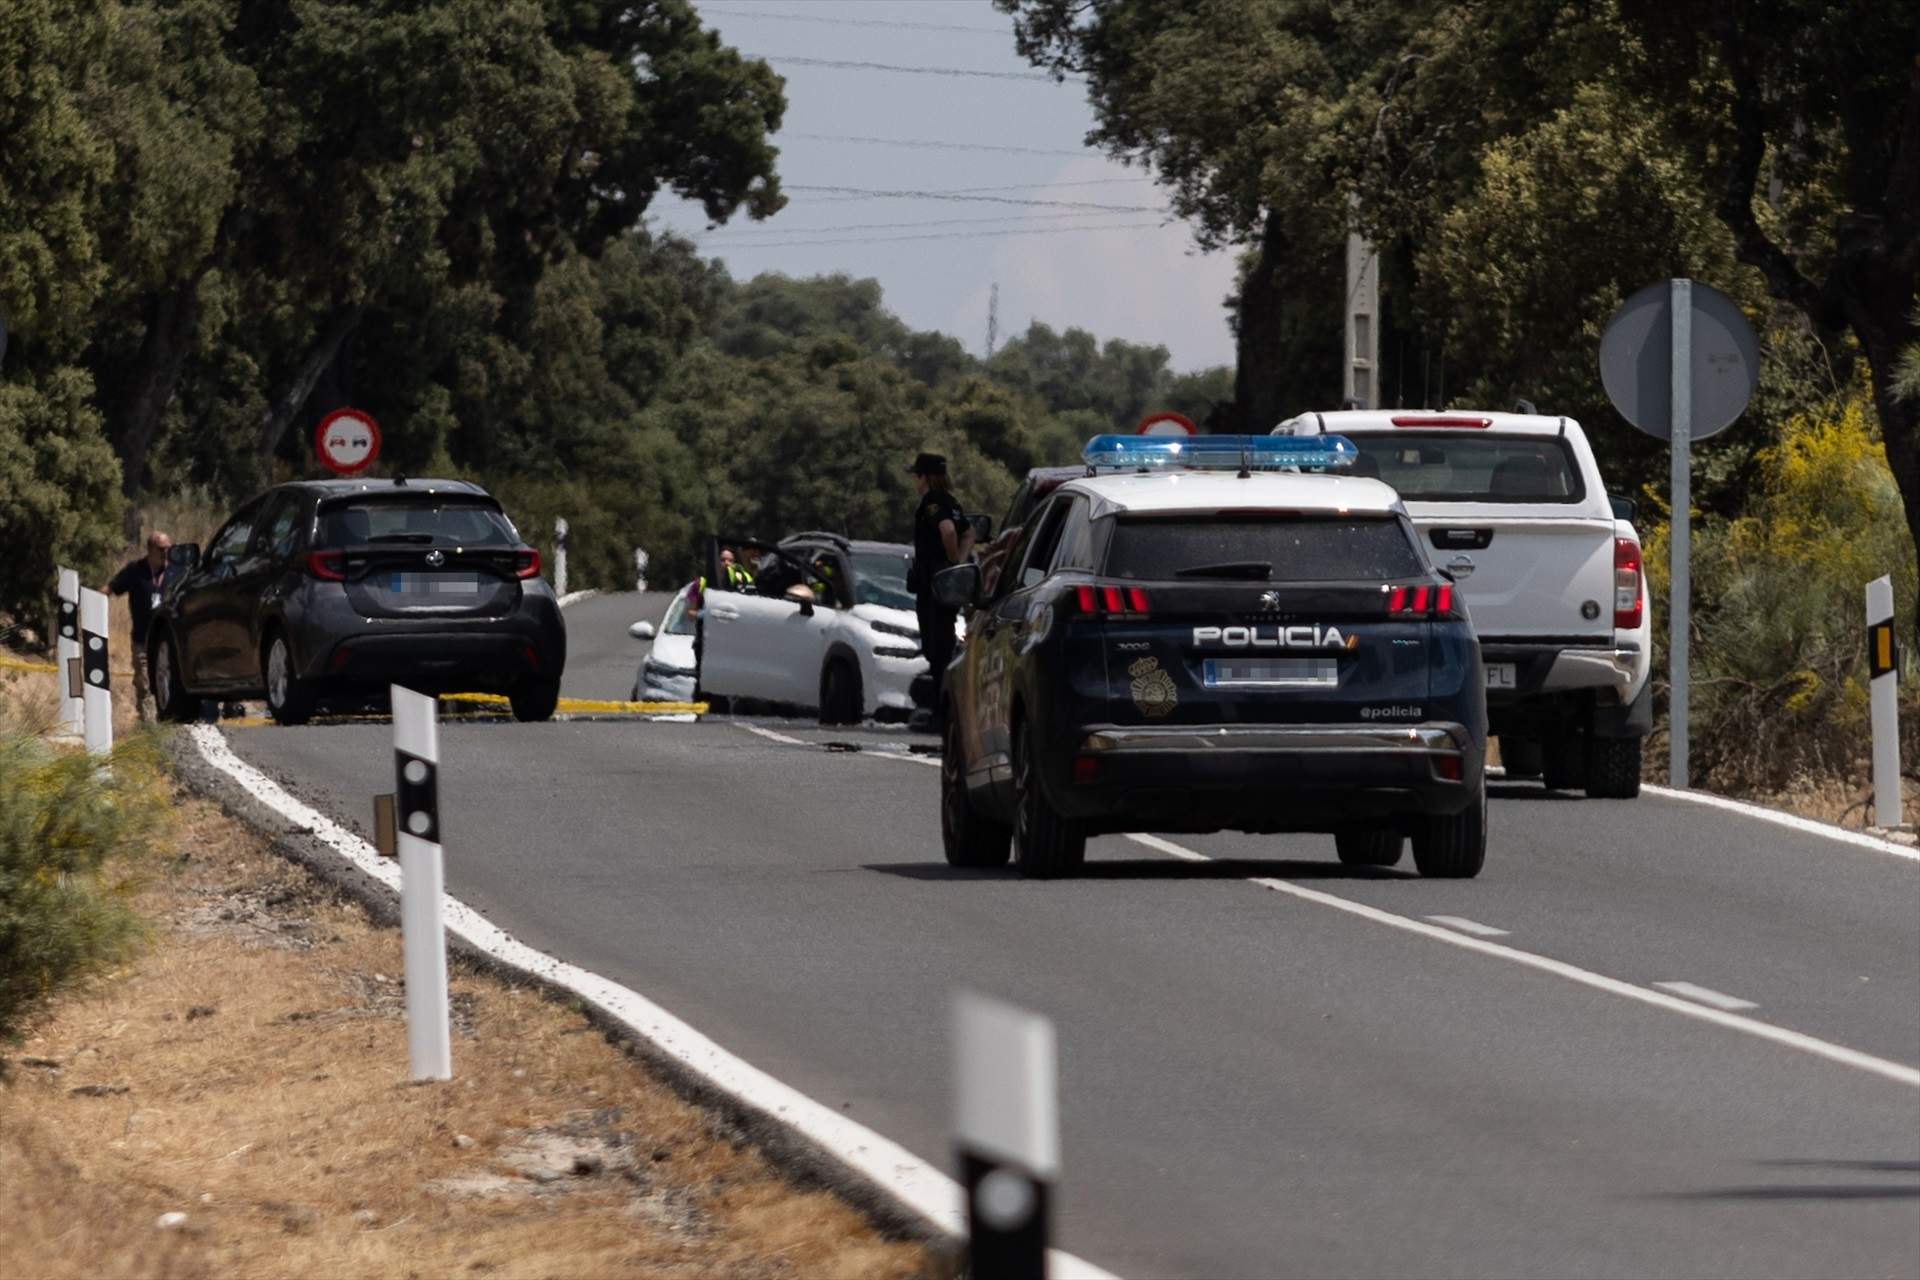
{"points": [[936, 545], [141, 582]]}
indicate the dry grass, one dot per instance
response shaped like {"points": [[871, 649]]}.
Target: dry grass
{"points": [[250, 1072]]}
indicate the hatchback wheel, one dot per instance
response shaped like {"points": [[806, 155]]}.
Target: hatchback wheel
{"points": [[840, 701], [534, 699], [171, 701], [1045, 844], [289, 701]]}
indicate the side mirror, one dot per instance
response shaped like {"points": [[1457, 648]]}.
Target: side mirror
{"points": [[641, 631], [1623, 508], [183, 555], [982, 529], [806, 605], [957, 586]]}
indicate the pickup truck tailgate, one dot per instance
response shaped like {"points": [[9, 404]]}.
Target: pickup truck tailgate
{"points": [[1527, 576]]}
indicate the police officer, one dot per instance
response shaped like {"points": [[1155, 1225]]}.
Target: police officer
{"points": [[142, 582], [936, 545]]}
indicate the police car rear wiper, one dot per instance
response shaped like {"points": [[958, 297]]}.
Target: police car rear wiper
{"points": [[1254, 570]]}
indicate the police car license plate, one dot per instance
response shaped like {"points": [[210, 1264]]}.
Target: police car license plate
{"points": [[1500, 675], [1271, 673], [434, 584]]}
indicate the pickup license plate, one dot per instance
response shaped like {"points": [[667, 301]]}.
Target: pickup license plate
{"points": [[1271, 673], [434, 584], [1501, 675]]}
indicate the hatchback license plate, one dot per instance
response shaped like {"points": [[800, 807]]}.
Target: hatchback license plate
{"points": [[1501, 675], [434, 584], [1272, 673]]}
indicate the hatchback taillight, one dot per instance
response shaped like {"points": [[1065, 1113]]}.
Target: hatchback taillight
{"points": [[1421, 602], [1629, 600], [328, 566], [526, 564], [1118, 602]]}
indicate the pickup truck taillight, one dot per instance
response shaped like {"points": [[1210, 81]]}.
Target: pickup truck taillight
{"points": [[1629, 601], [1421, 602], [328, 566]]}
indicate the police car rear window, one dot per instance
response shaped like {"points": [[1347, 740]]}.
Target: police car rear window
{"points": [[1470, 466], [1261, 549]]}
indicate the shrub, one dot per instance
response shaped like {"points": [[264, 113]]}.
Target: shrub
{"points": [[71, 835]]}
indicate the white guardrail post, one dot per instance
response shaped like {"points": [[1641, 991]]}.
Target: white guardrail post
{"points": [[1007, 1130], [73, 714], [560, 555], [95, 680], [1883, 661], [423, 934]]}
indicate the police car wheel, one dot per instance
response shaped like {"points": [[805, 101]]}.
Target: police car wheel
{"points": [[1453, 846], [1045, 844], [1378, 848], [971, 840], [1613, 768]]}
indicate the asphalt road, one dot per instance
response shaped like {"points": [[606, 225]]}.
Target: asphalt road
{"points": [[1255, 1081]]}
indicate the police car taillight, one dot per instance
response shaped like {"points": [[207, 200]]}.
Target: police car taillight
{"points": [[1118, 602], [1629, 602], [1420, 602]]}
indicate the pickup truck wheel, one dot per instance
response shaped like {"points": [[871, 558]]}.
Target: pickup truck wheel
{"points": [[971, 839], [1563, 764], [1045, 844], [1613, 768], [1454, 846], [1379, 848], [1521, 757]]}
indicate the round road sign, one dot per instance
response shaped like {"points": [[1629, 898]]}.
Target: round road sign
{"points": [[1636, 360], [347, 441], [1166, 423]]}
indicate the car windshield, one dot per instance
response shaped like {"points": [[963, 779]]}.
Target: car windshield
{"points": [[1463, 466], [880, 577], [677, 623], [429, 519], [1262, 549]]}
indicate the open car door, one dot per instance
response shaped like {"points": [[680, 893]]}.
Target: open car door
{"points": [[755, 643]]}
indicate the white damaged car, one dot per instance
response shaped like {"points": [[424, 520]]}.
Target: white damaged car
{"points": [[668, 672], [825, 624]]}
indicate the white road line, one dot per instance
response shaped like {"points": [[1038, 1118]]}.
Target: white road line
{"points": [[1706, 995], [913, 1183], [1469, 926], [770, 735], [1896, 1071], [1792, 821]]}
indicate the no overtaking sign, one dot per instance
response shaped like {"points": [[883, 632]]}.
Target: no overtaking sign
{"points": [[347, 441]]}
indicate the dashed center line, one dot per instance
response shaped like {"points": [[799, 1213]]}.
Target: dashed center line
{"points": [[1465, 925], [1706, 995]]}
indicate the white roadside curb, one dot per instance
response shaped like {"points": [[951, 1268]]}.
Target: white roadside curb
{"points": [[1809, 826], [918, 1187]]}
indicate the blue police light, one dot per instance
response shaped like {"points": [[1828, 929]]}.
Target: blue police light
{"points": [[1218, 453]]}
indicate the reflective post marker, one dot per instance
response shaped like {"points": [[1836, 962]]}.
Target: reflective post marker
{"points": [[1007, 1129], [423, 934], [73, 715], [95, 689], [1681, 548], [1883, 661], [559, 555]]}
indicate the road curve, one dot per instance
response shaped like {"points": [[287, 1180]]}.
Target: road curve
{"points": [[1253, 1082]]}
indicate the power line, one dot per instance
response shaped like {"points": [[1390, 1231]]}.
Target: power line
{"points": [[731, 233], [708, 11], [867, 193], [846, 65], [956, 235], [930, 145]]}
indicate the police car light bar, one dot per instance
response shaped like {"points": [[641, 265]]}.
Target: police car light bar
{"points": [[1218, 453]]}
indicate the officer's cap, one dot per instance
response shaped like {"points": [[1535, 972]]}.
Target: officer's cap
{"points": [[929, 464]]}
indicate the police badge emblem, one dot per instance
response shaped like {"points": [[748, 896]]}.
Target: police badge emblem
{"points": [[1153, 689]]}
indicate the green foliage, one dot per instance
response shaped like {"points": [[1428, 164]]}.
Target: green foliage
{"points": [[71, 835]]}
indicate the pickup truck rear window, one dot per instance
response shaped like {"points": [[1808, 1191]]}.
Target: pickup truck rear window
{"points": [[1261, 549], [429, 520], [1470, 466]]}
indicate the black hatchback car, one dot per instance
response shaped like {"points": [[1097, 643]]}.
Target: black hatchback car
{"points": [[330, 590]]}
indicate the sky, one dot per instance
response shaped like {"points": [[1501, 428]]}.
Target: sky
{"points": [[1128, 270]]}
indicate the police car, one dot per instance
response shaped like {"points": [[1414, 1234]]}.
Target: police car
{"points": [[1222, 633]]}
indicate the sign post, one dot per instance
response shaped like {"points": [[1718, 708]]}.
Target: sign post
{"points": [[95, 690], [423, 933], [347, 441], [1679, 362], [73, 715], [1007, 1128], [1883, 661]]}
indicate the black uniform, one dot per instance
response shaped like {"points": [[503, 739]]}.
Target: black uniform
{"points": [[141, 585], [929, 558]]}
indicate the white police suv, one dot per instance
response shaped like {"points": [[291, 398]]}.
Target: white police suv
{"points": [[1209, 634]]}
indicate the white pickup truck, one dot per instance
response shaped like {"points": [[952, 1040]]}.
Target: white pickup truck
{"points": [[1514, 510]]}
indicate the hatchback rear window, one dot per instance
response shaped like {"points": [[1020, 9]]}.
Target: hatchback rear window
{"points": [[1262, 549], [1470, 466], [428, 520]]}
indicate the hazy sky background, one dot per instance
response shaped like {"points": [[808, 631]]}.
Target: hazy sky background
{"points": [[1130, 272]]}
